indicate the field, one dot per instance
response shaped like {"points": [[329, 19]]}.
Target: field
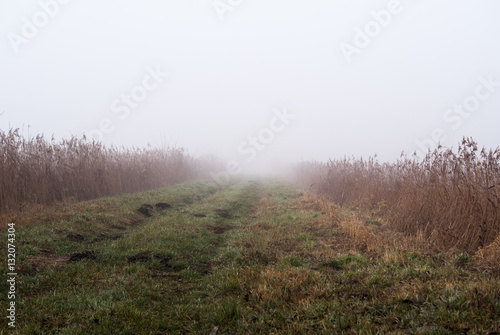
{"points": [[249, 167], [250, 257]]}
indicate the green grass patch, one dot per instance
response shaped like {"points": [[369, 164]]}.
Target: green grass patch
{"points": [[246, 257]]}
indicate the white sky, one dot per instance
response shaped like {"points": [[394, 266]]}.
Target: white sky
{"points": [[226, 77]]}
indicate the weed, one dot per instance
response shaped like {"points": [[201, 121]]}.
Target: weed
{"points": [[462, 259]]}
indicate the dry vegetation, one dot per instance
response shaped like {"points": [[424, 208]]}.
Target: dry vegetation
{"points": [[451, 199], [39, 171]]}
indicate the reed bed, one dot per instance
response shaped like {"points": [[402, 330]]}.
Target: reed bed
{"points": [[44, 172], [450, 198]]}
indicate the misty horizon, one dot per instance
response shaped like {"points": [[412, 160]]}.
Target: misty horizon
{"points": [[260, 84]]}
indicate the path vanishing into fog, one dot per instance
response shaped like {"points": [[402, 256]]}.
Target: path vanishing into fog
{"points": [[248, 257]]}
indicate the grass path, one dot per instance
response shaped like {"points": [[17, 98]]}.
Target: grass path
{"points": [[249, 258]]}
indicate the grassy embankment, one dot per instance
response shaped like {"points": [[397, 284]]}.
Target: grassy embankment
{"points": [[249, 258]]}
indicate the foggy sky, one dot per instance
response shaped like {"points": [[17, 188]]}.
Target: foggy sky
{"points": [[217, 77]]}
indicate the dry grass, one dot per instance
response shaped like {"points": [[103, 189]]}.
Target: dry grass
{"points": [[38, 171], [451, 199]]}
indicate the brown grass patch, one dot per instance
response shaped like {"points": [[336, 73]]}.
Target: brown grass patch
{"points": [[276, 287], [41, 262]]}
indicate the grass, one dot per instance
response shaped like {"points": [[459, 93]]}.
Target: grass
{"points": [[262, 258]]}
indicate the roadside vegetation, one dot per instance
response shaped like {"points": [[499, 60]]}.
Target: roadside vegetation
{"points": [[450, 198], [39, 172]]}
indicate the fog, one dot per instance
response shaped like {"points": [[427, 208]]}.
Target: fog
{"points": [[260, 83]]}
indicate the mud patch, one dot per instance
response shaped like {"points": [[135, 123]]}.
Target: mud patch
{"points": [[149, 257], [222, 213], [161, 206], [104, 236], [75, 238], [41, 262], [219, 229], [204, 270], [199, 215], [146, 210], [162, 259], [80, 256]]}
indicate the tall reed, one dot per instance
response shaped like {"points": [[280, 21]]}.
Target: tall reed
{"points": [[41, 171], [451, 197]]}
